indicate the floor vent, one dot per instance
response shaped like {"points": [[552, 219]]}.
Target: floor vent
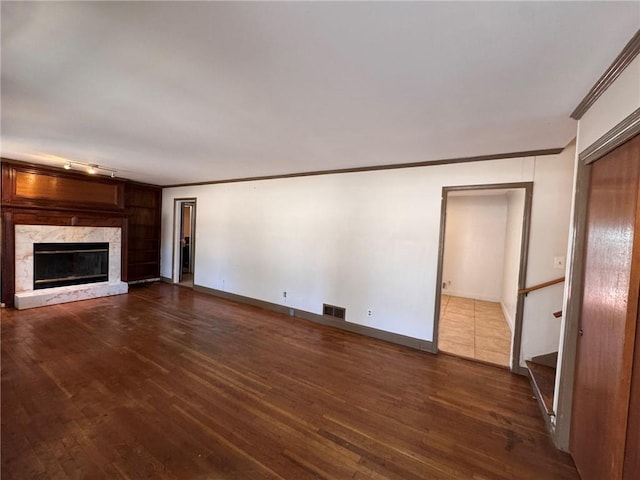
{"points": [[333, 311]]}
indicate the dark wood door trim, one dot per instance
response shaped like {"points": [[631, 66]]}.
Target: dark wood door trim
{"points": [[175, 244], [573, 309], [524, 254]]}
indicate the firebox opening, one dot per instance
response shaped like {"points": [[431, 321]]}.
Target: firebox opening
{"points": [[62, 264]]}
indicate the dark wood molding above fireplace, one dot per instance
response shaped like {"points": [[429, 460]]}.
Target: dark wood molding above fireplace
{"points": [[39, 195], [26, 185]]}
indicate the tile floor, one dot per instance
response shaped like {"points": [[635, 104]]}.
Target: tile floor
{"points": [[474, 329], [187, 280]]}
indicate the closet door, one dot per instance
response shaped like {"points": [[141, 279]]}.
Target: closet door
{"points": [[606, 342]]}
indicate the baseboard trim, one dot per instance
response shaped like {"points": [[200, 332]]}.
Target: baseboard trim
{"points": [[398, 339], [146, 280], [472, 296], [166, 280], [507, 317], [520, 370]]}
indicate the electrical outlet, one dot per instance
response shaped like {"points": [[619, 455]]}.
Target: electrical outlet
{"points": [[369, 313], [284, 294]]}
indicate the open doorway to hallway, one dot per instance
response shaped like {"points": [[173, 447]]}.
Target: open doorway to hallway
{"points": [[480, 272], [184, 242]]}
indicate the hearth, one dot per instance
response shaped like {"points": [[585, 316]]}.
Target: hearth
{"points": [[104, 283], [62, 264]]}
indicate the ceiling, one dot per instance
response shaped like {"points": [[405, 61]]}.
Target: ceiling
{"points": [[178, 92]]}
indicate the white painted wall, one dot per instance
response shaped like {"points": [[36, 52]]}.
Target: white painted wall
{"points": [[618, 101], [474, 246], [365, 240], [550, 215], [512, 243]]}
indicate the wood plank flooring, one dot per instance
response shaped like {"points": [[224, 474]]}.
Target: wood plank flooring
{"points": [[169, 383]]}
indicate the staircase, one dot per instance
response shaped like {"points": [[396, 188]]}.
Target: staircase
{"points": [[542, 374]]}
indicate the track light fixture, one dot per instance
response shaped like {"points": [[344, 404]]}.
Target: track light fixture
{"points": [[91, 168]]}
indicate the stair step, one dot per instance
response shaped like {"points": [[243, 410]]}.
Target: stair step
{"points": [[548, 359], [543, 381]]}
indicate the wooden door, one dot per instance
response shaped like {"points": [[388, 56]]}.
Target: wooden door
{"points": [[632, 454], [609, 316]]}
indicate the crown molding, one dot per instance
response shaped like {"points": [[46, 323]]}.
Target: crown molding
{"points": [[622, 61], [393, 166], [625, 130]]}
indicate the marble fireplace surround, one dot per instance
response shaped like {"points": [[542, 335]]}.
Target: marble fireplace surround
{"points": [[26, 235]]}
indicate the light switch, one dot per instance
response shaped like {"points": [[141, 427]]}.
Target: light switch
{"points": [[558, 262]]}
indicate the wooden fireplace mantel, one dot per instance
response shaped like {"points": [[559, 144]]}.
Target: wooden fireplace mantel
{"points": [[39, 195]]}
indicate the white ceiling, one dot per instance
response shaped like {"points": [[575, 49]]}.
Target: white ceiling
{"points": [[175, 92]]}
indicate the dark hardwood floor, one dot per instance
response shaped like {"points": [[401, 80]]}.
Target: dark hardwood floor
{"points": [[166, 382]]}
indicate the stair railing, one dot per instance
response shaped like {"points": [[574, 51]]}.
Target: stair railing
{"points": [[528, 290]]}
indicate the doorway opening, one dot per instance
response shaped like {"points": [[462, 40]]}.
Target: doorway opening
{"points": [[184, 241], [482, 266]]}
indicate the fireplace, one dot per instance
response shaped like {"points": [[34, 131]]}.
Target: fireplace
{"points": [[87, 264], [62, 264]]}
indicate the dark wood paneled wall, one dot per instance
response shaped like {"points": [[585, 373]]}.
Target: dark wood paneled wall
{"points": [[37, 187], [143, 205], [39, 195]]}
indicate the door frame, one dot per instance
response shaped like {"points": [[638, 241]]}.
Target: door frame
{"points": [[624, 131], [573, 296], [567, 386], [522, 275], [176, 265], [190, 206]]}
